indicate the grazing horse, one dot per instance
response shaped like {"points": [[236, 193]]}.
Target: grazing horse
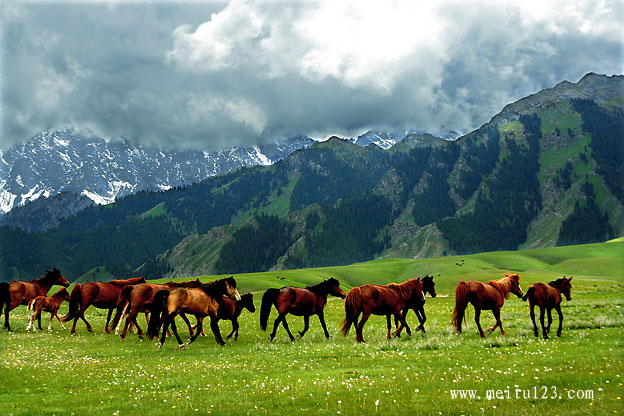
{"points": [[484, 296], [548, 297], [18, 292], [230, 310], [428, 286], [298, 301], [379, 300], [51, 304], [102, 295], [138, 298], [201, 301]]}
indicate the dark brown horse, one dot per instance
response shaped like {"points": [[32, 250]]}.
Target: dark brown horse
{"points": [[379, 300], [484, 296], [18, 292], [548, 297], [415, 303], [102, 295], [230, 310], [298, 301], [51, 304], [138, 298], [200, 302]]}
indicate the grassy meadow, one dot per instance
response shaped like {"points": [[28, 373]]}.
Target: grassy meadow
{"points": [[580, 373]]}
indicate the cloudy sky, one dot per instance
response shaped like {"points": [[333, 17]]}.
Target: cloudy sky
{"points": [[213, 74]]}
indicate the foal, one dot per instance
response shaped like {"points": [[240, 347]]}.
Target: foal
{"points": [[548, 297], [51, 304]]}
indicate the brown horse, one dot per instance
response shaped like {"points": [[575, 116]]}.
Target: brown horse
{"points": [[200, 302], [230, 310], [102, 295], [484, 296], [138, 298], [428, 286], [548, 297], [298, 301], [379, 300], [51, 304], [18, 292]]}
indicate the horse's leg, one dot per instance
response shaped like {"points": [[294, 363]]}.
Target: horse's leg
{"points": [[174, 329], [31, 319], [400, 326], [558, 309], [359, 336], [306, 325], [389, 324], [285, 325], [276, 323], [544, 333], [59, 319], [80, 315], [108, 317], [549, 310], [499, 323], [214, 326], [234, 329], [422, 318], [532, 314], [477, 321], [165, 328], [321, 316], [39, 321], [51, 319], [129, 319], [198, 329], [187, 322]]}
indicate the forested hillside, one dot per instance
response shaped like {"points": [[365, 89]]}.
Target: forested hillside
{"points": [[546, 171]]}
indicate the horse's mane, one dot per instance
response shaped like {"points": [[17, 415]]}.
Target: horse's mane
{"points": [[217, 288], [192, 283], [59, 293], [504, 285], [123, 283], [557, 283], [406, 288], [49, 275], [323, 287]]}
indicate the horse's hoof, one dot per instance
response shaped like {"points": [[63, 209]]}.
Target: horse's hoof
{"points": [[490, 330], [182, 346], [188, 342], [482, 335], [159, 345], [559, 334]]}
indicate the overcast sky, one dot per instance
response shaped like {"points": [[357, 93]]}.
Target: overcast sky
{"points": [[215, 74]]}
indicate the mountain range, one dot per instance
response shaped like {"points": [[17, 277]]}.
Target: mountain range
{"points": [[545, 171]]}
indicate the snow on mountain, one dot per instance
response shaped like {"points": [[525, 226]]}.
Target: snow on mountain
{"points": [[81, 163], [386, 140]]}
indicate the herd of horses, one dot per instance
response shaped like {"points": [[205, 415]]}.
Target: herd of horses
{"points": [[220, 300]]}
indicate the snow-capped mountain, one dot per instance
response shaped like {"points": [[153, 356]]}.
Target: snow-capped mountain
{"points": [[386, 140], [81, 163]]}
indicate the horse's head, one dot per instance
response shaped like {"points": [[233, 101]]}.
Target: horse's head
{"points": [[57, 277], [564, 286], [141, 279], [230, 288], [515, 288], [334, 288], [428, 286], [247, 302]]}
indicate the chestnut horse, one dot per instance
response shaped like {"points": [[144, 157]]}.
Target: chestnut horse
{"points": [[18, 292], [138, 298], [379, 300], [230, 310], [51, 304], [298, 301], [200, 302], [428, 286], [548, 297], [102, 295], [484, 296]]}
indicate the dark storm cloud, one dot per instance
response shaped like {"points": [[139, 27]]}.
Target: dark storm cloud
{"points": [[209, 75]]}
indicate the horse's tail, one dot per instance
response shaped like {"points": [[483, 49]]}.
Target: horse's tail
{"points": [[268, 299], [353, 306], [74, 301], [461, 302], [31, 304], [5, 295], [159, 306], [528, 293], [122, 301]]}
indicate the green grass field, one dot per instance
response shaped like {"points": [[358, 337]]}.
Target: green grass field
{"points": [[580, 373]]}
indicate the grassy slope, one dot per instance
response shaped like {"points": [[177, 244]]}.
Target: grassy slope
{"points": [[54, 373]]}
